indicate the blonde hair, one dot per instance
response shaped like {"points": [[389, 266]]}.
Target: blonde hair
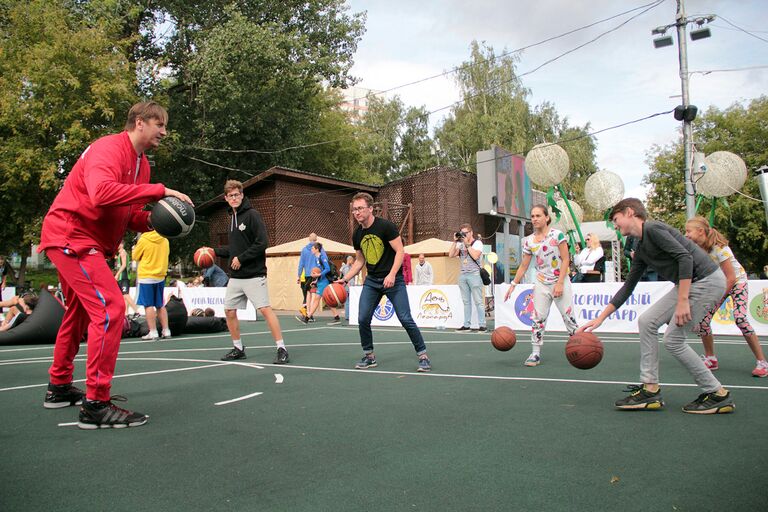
{"points": [[713, 236], [594, 240]]}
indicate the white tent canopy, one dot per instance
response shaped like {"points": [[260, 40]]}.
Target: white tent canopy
{"points": [[295, 247], [603, 232]]}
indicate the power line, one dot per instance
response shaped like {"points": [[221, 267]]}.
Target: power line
{"points": [[522, 48], [742, 29], [468, 166], [708, 71], [646, 8]]}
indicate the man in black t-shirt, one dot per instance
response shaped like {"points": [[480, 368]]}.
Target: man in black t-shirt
{"points": [[379, 247]]}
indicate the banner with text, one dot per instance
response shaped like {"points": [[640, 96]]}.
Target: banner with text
{"points": [[589, 299]]}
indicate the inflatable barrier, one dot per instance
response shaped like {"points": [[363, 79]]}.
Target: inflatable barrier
{"points": [[41, 327]]}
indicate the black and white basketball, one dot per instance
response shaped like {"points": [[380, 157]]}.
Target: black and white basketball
{"points": [[172, 217]]}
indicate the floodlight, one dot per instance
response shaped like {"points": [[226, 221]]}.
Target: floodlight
{"points": [[661, 42], [700, 33]]}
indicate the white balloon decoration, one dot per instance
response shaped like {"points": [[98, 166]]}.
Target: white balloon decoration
{"points": [[726, 173], [566, 221], [547, 164], [603, 190]]}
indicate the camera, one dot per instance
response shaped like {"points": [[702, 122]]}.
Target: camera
{"points": [[459, 235]]}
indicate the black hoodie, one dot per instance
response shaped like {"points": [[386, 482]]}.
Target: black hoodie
{"points": [[248, 241]]}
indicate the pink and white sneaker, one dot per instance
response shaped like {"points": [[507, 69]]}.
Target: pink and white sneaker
{"points": [[710, 362], [761, 370]]}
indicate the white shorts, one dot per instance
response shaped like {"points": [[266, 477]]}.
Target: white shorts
{"points": [[240, 291]]}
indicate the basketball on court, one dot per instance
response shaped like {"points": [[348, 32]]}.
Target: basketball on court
{"points": [[334, 295], [584, 350], [503, 338], [204, 257], [172, 217]]}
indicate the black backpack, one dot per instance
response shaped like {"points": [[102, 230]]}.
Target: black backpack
{"points": [[333, 275]]}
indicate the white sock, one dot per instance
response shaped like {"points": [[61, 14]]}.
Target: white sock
{"points": [[166, 332], [537, 349], [280, 344], [238, 344], [153, 333]]}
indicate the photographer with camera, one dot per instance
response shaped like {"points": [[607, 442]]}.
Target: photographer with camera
{"points": [[469, 251]]}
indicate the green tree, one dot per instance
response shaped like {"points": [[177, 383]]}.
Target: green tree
{"points": [[743, 130], [63, 83], [494, 110]]}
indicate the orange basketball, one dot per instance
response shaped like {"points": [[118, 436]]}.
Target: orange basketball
{"points": [[503, 338], [334, 295], [204, 257], [584, 350]]}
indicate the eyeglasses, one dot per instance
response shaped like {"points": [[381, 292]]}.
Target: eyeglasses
{"points": [[233, 196], [359, 208]]}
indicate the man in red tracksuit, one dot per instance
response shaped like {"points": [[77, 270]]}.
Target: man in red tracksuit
{"points": [[102, 197]]}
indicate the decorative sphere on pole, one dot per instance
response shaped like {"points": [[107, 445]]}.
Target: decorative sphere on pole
{"points": [[726, 173], [603, 190], [547, 164], [566, 222]]}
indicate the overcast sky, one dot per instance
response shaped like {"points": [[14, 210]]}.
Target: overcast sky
{"points": [[618, 78]]}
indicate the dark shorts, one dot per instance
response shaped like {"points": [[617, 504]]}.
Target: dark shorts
{"points": [[125, 286]]}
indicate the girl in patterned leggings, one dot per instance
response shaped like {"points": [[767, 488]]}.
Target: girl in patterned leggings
{"points": [[549, 250], [708, 238]]}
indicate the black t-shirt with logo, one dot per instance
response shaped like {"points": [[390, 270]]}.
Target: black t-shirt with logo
{"points": [[373, 242]]}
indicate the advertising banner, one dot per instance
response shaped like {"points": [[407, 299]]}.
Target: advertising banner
{"points": [[432, 306]]}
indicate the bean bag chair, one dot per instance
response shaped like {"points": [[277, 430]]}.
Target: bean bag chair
{"points": [[177, 315], [41, 327], [205, 325]]}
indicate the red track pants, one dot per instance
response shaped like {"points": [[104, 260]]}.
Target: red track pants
{"points": [[94, 303]]}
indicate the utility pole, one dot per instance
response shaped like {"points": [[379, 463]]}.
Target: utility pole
{"points": [[682, 22]]}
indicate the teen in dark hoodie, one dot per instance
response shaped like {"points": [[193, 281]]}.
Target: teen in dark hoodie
{"points": [[248, 263]]}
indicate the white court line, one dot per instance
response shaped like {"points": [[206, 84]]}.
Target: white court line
{"points": [[72, 424], [178, 338], [225, 402], [155, 372], [495, 377], [278, 378]]}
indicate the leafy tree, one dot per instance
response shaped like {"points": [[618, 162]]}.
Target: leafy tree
{"points": [[63, 83], [495, 110], [743, 130]]}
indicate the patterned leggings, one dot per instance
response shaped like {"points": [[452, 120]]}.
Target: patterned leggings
{"points": [[740, 295], [543, 297]]}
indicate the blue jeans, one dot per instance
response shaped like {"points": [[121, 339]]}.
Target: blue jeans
{"points": [[373, 290], [471, 287]]}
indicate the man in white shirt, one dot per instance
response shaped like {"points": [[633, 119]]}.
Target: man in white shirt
{"points": [[422, 272]]}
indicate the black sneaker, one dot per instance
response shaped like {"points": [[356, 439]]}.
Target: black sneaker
{"points": [[282, 356], [480, 329], [96, 414], [64, 395], [368, 361], [234, 354], [463, 328], [710, 403], [336, 321], [303, 319], [640, 398]]}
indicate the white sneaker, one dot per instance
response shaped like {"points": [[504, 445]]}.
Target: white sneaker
{"points": [[533, 360], [166, 333], [151, 336]]}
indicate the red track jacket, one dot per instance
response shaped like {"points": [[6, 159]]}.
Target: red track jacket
{"points": [[102, 197]]}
